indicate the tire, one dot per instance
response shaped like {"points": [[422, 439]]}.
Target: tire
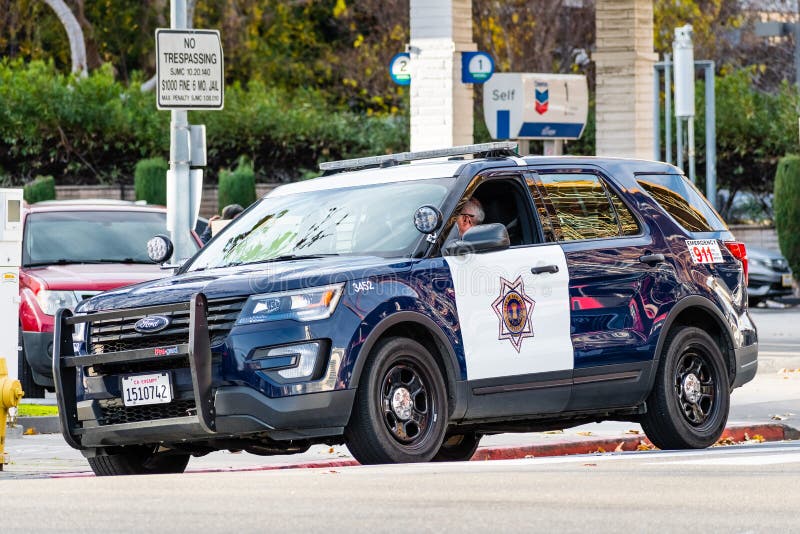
{"points": [[29, 386], [140, 460], [400, 410], [689, 404], [458, 447]]}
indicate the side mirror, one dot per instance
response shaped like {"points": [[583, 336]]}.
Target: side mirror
{"points": [[160, 248], [480, 238]]}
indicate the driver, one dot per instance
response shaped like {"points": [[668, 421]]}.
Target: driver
{"points": [[471, 214]]}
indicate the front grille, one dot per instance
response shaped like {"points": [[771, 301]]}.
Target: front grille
{"points": [[136, 367], [113, 412], [114, 335]]}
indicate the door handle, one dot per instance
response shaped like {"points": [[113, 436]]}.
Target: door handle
{"points": [[652, 259], [545, 269]]}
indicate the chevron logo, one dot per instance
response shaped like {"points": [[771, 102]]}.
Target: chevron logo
{"points": [[542, 98]]}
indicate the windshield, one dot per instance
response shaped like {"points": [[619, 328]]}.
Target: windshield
{"points": [[90, 236], [369, 220]]}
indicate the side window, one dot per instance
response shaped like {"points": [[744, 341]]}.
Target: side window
{"points": [[541, 210], [500, 200], [581, 205], [683, 201], [627, 222]]}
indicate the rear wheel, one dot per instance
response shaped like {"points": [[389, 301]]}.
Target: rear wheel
{"points": [[400, 411], [689, 404], [29, 386], [139, 460], [458, 447]]}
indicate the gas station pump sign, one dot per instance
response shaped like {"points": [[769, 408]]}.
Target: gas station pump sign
{"points": [[535, 106]]}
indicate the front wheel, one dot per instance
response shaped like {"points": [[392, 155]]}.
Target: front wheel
{"points": [[689, 404], [138, 460], [400, 411]]}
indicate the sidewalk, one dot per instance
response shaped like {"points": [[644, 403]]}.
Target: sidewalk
{"points": [[766, 409]]}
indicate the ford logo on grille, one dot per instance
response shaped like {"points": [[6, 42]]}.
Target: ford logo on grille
{"points": [[151, 324]]}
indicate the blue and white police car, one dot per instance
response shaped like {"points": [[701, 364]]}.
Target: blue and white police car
{"points": [[352, 309]]}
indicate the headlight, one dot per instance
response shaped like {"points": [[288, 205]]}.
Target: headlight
{"points": [[308, 304], [51, 301]]}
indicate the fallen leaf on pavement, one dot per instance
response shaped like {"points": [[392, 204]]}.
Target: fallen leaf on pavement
{"points": [[30, 431], [727, 440], [757, 438], [633, 431], [600, 450], [777, 418], [330, 451], [584, 433], [644, 446], [554, 432]]}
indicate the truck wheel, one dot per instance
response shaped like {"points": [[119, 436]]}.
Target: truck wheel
{"points": [[400, 411], [458, 447], [32, 389], [689, 404], [139, 460]]}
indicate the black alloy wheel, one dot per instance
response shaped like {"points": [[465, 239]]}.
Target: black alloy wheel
{"points": [[400, 411], [688, 406]]}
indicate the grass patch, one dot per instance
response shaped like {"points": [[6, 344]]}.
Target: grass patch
{"points": [[36, 410]]}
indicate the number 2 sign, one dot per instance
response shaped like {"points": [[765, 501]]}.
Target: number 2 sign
{"points": [[399, 69], [705, 251]]}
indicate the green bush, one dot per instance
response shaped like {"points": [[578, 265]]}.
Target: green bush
{"points": [[42, 188], [787, 209], [94, 129], [238, 186], [150, 181]]}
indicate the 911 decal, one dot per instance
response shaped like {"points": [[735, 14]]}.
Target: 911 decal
{"points": [[705, 251]]}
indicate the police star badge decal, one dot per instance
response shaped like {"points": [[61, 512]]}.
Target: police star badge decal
{"points": [[513, 308]]}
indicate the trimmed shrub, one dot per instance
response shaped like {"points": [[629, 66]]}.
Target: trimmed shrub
{"points": [[42, 188], [238, 186], [150, 181], [787, 209]]}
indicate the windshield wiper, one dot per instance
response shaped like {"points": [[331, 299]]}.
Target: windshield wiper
{"points": [[285, 257], [66, 261]]}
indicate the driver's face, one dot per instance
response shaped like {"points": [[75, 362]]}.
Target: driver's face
{"points": [[466, 220]]}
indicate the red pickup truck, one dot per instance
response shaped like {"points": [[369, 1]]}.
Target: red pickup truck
{"points": [[72, 250]]}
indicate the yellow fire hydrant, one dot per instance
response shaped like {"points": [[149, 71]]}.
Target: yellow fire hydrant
{"points": [[10, 394]]}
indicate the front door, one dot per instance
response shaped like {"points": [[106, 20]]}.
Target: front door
{"points": [[513, 310]]}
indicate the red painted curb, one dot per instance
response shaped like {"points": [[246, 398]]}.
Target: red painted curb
{"points": [[732, 435]]}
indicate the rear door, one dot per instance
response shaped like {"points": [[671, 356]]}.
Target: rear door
{"points": [[618, 284]]}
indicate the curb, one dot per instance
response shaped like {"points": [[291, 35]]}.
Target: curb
{"points": [[44, 424], [732, 435]]}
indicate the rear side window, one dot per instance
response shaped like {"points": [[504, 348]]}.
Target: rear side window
{"points": [[683, 201], [586, 209]]}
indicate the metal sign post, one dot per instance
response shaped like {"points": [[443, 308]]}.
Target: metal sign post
{"points": [[190, 70]]}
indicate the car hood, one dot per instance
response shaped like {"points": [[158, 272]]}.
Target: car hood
{"points": [[95, 277], [246, 280]]}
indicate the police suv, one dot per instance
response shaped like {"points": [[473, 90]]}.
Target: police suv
{"points": [[350, 309]]}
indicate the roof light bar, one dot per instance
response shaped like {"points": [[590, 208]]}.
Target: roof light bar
{"points": [[502, 148]]}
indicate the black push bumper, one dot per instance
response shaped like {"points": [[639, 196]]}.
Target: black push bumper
{"points": [[222, 412]]}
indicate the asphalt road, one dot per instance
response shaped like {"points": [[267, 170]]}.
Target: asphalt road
{"points": [[749, 488]]}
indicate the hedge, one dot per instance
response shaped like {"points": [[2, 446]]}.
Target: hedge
{"points": [[787, 209], [93, 130], [150, 181], [42, 188], [237, 186]]}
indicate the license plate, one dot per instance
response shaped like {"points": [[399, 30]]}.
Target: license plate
{"points": [[138, 390], [786, 280]]}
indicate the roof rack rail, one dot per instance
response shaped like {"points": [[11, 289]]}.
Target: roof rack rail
{"points": [[486, 150]]}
